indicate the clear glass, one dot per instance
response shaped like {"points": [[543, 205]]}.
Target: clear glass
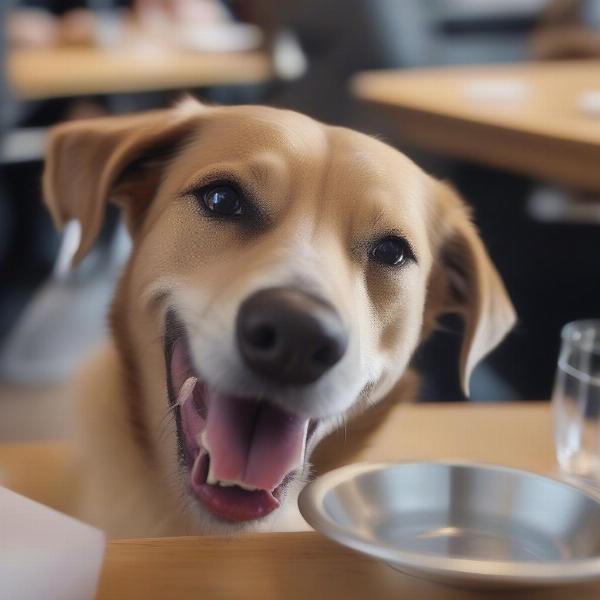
{"points": [[576, 402]]}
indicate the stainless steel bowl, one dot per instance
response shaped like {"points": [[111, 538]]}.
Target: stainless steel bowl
{"points": [[460, 523]]}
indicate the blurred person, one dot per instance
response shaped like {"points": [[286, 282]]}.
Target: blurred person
{"points": [[373, 34]]}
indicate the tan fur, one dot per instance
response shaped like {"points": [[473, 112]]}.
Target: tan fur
{"points": [[328, 193]]}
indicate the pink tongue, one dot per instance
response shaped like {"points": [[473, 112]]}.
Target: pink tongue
{"points": [[255, 444]]}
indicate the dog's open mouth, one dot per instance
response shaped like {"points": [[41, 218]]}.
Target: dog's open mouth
{"points": [[241, 453]]}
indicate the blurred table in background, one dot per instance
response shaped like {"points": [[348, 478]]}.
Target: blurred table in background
{"points": [[524, 118], [62, 72]]}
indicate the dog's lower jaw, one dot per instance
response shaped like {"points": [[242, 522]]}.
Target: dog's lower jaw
{"points": [[286, 517], [240, 456], [240, 453]]}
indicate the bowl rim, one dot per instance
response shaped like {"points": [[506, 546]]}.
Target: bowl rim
{"points": [[310, 503]]}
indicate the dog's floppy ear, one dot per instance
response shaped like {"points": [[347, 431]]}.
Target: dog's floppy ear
{"points": [[471, 286], [91, 161]]}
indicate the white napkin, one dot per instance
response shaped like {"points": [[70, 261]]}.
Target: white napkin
{"points": [[45, 554]]}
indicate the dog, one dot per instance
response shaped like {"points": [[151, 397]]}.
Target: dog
{"points": [[283, 273]]}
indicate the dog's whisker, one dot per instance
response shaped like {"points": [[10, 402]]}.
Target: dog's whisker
{"points": [[159, 339], [162, 434], [167, 418], [169, 411]]}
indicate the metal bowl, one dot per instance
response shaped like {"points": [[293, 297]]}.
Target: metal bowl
{"points": [[460, 523]]}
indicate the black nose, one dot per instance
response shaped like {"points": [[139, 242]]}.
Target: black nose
{"points": [[289, 336]]}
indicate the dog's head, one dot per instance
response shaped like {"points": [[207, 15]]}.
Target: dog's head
{"points": [[282, 274]]}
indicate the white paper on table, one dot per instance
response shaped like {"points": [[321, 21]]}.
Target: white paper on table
{"points": [[500, 90], [45, 555]]}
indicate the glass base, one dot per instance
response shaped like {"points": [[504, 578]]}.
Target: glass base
{"points": [[588, 484]]}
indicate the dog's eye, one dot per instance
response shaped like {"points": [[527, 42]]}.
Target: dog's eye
{"points": [[223, 200], [391, 250]]}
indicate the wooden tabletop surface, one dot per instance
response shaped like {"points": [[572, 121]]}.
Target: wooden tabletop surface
{"points": [[39, 74], [302, 565], [524, 117], [275, 567]]}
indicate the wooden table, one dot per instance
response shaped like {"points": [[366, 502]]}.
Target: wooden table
{"points": [[304, 565], [540, 132], [39, 74]]}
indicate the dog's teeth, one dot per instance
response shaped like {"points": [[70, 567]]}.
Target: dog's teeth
{"points": [[210, 478], [224, 483], [186, 390], [249, 488]]}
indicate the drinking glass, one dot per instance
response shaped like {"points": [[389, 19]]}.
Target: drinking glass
{"points": [[576, 403]]}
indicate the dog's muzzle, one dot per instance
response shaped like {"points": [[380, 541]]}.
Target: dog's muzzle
{"points": [[242, 451]]}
